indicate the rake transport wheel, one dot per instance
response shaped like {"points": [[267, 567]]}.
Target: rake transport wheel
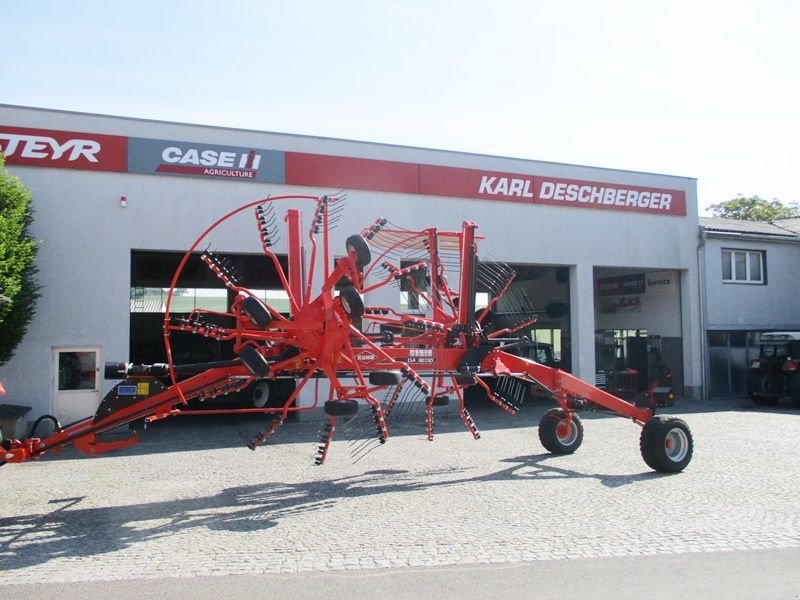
{"points": [[666, 444], [559, 436], [351, 301]]}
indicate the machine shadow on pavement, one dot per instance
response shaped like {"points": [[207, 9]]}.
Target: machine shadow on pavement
{"points": [[71, 531]]}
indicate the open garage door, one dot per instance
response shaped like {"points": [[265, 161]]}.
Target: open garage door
{"points": [[151, 277]]}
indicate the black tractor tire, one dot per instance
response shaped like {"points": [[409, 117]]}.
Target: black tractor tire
{"points": [[757, 388], [341, 408], [351, 302], [794, 388], [256, 311], [666, 444], [556, 436], [385, 378], [358, 245], [254, 361]]}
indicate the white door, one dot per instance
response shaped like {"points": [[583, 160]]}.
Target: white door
{"points": [[77, 385]]}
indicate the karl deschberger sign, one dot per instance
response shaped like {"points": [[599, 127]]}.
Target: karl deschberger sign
{"points": [[92, 151]]}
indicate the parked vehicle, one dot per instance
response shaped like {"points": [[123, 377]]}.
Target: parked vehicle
{"points": [[775, 374]]}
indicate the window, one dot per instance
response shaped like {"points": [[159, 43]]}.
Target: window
{"points": [[743, 266]]}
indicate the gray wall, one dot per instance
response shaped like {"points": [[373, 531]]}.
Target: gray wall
{"points": [[735, 306]]}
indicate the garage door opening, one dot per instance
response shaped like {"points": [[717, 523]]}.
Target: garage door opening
{"points": [[199, 288]]}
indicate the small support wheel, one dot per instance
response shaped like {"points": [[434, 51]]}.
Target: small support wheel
{"points": [[666, 444], [558, 435], [351, 302], [385, 377], [256, 311], [341, 408], [359, 247], [254, 361], [441, 400]]}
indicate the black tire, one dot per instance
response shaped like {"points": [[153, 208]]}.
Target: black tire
{"points": [[358, 245], [558, 437], [256, 311], [341, 408], [385, 377], [254, 361], [758, 389], [794, 388], [666, 444], [465, 380], [441, 400], [351, 302], [261, 394]]}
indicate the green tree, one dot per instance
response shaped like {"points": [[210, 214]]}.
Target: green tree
{"points": [[755, 209], [18, 288]]}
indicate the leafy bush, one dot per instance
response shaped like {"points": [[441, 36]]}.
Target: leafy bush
{"points": [[18, 287]]}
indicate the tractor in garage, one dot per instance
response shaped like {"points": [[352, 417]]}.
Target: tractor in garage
{"points": [[380, 363], [775, 374]]}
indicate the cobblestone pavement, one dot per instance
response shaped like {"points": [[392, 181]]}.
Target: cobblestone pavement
{"points": [[192, 500]]}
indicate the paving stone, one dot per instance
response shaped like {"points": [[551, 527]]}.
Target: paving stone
{"points": [[191, 499]]}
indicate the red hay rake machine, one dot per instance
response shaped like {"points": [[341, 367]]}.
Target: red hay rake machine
{"points": [[381, 364]]}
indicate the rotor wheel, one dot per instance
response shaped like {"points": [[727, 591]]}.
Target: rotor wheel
{"points": [[358, 246], [341, 408], [441, 400], [666, 444], [254, 361], [256, 311], [351, 302], [557, 434], [385, 377]]}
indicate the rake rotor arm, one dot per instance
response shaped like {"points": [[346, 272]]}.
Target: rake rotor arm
{"points": [[561, 383], [151, 398]]}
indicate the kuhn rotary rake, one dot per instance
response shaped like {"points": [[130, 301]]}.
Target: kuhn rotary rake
{"points": [[381, 364]]}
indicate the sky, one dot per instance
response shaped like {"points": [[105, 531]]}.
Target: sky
{"points": [[703, 89]]}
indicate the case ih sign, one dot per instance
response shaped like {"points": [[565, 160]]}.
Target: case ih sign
{"points": [[72, 150]]}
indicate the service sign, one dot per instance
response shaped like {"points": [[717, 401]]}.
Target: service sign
{"points": [[621, 285], [205, 160], [63, 149]]}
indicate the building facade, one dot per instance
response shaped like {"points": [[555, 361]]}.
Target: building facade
{"points": [[749, 273], [119, 200]]}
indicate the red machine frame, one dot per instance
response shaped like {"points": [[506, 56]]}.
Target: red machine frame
{"points": [[425, 360]]}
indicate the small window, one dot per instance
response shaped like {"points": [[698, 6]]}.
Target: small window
{"points": [[743, 266]]}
